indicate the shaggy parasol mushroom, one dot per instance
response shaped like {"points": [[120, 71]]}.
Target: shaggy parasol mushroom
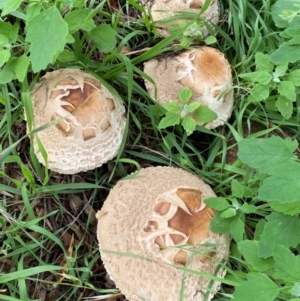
{"points": [[153, 226], [204, 70], [162, 9], [88, 121]]}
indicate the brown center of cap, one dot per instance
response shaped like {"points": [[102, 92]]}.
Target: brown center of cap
{"points": [[180, 218], [82, 109]]}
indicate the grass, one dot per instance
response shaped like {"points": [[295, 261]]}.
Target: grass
{"points": [[48, 245]]}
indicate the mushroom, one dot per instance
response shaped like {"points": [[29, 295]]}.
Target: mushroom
{"points": [[203, 70], [162, 9], [87, 121], [154, 226]]}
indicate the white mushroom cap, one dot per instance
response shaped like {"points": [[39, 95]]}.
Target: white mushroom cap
{"points": [[151, 225], [204, 70], [162, 9], [88, 121]]}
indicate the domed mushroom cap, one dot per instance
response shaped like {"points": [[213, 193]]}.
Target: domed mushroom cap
{"points": [[154, 225], [204, 70], [162, 9], [88, 121]]}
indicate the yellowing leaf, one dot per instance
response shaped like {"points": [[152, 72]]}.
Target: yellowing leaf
{"points": [[47, 34]]}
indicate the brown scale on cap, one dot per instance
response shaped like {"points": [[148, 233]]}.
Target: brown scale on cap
{"points": [[184, 220]]}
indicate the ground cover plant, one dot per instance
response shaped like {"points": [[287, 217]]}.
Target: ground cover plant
{"points": [[48, 247]]}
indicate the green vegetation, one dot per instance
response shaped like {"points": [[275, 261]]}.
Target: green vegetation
{"points": [[48, 247]]}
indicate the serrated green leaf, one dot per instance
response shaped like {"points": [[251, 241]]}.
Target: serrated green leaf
{"points": [[270, 155], [262, 77], [80, 19], [21, 67], [259, 228], [286, 208], [10, 6], [4, 56], [47, 33], [170, 119], [172, 107], [287, 264], [249, 249], [3, 40], [262, 62], [294, 77], [287, 89], [32, 10], [205, 114], [282, 187], [285, 53], [259, 92], [237, 229], [237, 189], [258, 287], [185, 94], [285, 106], [189, 124], [280, 229], [104, 37], [229, 212], [217, 203], [7, 74]]}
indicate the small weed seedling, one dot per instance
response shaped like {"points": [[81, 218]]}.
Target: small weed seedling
{"points": [[186, 112]]}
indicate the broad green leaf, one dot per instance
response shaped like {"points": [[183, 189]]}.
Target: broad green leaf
{"points": [[285, 53], [286, 208], [170, 119], [237, 189], [287, 89], [259, 228], [262, 77], [258, 287], [185, 94], [104, 37], [237, 229], [219, 224], [283, 13], [21, 67], [262, 62], [217, 203], [80, 19], [285, 106], [32, 10], [4, 56], [259, 92], [172, 107], [249, 249], [280, 229], [3, 40], [295, 291], [280, 70], [66, 56], [191, 107], [270, 155], [10, 31], [7, 73], [47, 33], [294, 77], [287, 264], [229, 212], [11, 5], [210, 40], [282, 187], [248, 208], [189, 124], [205, 114]]}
